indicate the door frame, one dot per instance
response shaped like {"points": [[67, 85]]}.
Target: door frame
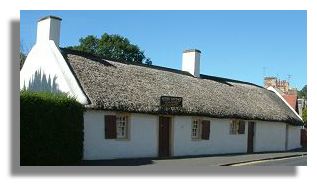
{"points": [[253, 138], [171, 128]]}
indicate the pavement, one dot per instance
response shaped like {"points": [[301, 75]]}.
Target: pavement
{"points": [[290, 161], [270, 159], [210, 160]]}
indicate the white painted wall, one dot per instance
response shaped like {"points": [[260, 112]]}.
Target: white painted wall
{"points": [[142, 142], [293, 137], [220, 140], [143, 137], [53, 73], [269, 136], [191, 62]]}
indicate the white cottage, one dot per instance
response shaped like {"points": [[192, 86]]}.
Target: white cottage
{"points": [[136, 110]]}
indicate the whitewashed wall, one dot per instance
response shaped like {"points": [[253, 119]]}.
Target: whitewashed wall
{"points": [[142, 142], [293, 137], [269, 136], [143, 137], [45, 69], [220, 140]]}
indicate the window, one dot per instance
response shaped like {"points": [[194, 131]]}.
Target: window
{"points": [[237, 127], [200, 129], [116, 127], [195, 129], [121, 123]]}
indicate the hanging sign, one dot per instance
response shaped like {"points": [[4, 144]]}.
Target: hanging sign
{"points": [[169, 101]]}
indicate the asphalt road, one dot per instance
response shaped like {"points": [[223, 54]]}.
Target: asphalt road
{"points": [[294, 161], [214, 160]]}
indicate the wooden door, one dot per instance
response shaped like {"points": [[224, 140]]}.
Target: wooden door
{"points": [[164, 136], [250, 136]]}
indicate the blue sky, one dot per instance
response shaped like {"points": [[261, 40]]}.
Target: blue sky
{"points": [[242, 45]]}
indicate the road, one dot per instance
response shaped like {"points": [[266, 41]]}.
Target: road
{"points": [[214, 160], [294, 161]]}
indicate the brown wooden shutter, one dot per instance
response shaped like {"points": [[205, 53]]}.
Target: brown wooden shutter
{"points": [[241, 127], [205, 129], [110, 127]]}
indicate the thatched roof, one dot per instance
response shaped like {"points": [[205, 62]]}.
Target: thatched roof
{"points": [[137, 88]]}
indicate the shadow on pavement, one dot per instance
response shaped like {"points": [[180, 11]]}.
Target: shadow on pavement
{"points": [[117, 162], [148, 161]]}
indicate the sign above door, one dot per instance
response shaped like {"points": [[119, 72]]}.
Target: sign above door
{"points": [[170, 101]]}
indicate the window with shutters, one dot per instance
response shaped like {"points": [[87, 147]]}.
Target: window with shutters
{"points": [[237, 127], [116, 126], [200, 129]]}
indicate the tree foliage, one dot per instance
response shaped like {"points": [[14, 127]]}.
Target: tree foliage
{"points": [[22, 53], [304, 115], [112, 47], [22, 59], [303, 93]]}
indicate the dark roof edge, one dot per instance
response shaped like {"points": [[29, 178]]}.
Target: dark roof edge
{"points": [[50, 16], [76, 78], [191, 50], [215, 78], [95, 57]]}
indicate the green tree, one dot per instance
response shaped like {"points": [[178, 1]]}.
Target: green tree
{"points": [[22, 59], [112, 47], [304, 115], [303, 93], [22, 53]]}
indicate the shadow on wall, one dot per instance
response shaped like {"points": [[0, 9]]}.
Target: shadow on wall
{"points": [[40, 82]]}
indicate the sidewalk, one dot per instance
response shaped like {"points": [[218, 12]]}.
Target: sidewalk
{"points": [[211, 160], [263, 156]]}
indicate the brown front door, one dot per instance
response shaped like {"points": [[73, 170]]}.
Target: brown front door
{"points": [[250, 136], [164, 136]]}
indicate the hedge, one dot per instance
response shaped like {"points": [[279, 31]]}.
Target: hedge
{"points": [[51, 129]]}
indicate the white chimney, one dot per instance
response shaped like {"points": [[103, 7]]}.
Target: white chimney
{"points": [[191, 62], [48, 28]]}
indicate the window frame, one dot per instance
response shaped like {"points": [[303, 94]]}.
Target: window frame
{"points": [[126, 129], [236, 125], [117, 127], [199, 129]]}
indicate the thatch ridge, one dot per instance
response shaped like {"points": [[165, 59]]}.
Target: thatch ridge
{"points": [[226, 80], [104, 61], [125, 87]]}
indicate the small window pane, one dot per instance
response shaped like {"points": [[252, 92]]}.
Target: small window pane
{"points": [[121, 126], [234, 127], [195, 129]]}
